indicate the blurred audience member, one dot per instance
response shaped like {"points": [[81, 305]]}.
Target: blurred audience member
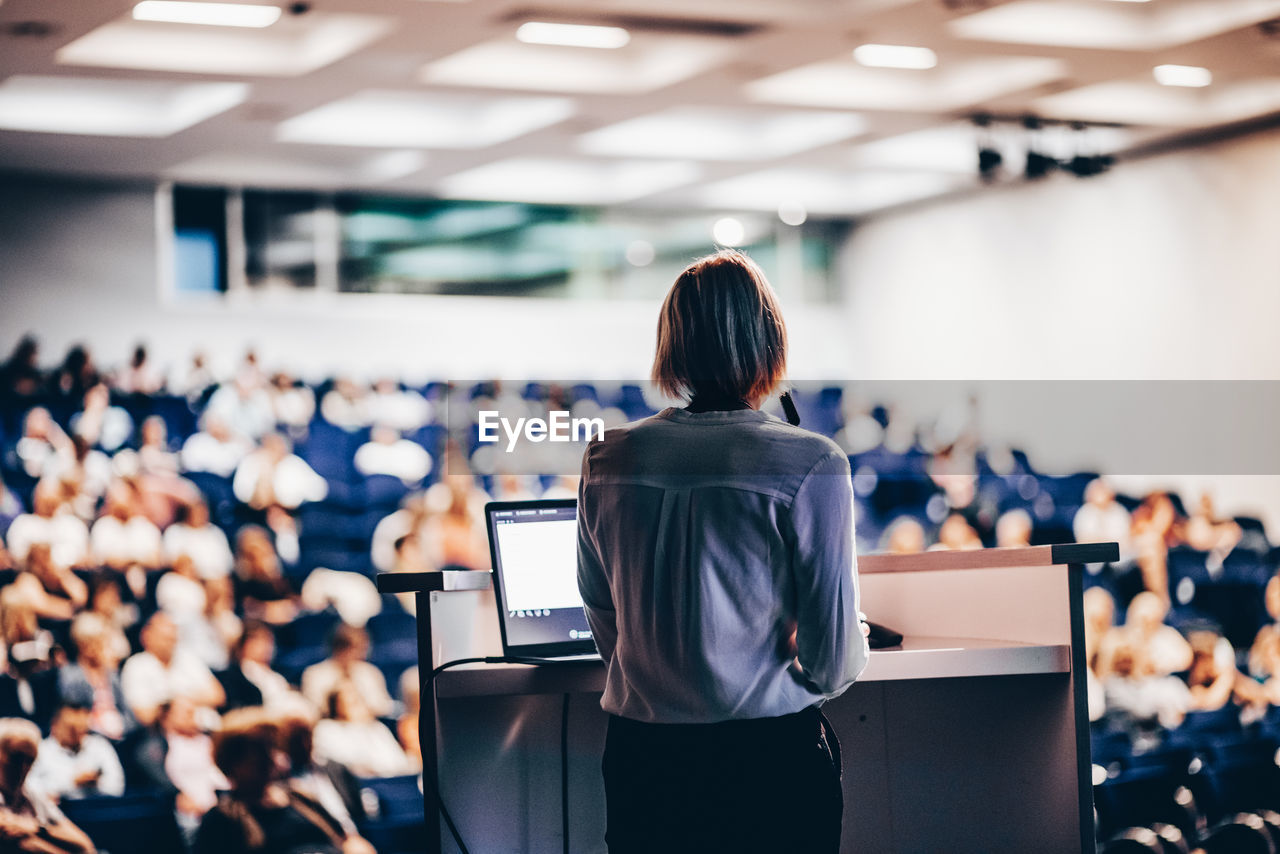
{"points": [[123, 537], [1102, 519], [93, 679], [386, 453], [193, 535], [55, 592], [176, 757], [1152, 532], [138, 376], [1013, 529], [244, 405], [327, 783], [261, 588], [957, 534], [1204, 531], [74, 761], [20, 376], [1099, 619], [250, 680], [261, 813], [50, 522], [904, 536], [154, 456], [29, 820], [43, 445], [1163, 647], [346, 405], [271, 476], [164, 671], [353, 737], [100, 424], [216, 449], [397, 408], [1134, 688], [292, 403], [407, 726], [346, 664]]}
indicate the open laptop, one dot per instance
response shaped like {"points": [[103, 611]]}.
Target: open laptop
{"points": [[534, 548]]}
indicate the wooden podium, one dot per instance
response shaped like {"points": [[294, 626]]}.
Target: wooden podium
{"points": [[973, 736]]}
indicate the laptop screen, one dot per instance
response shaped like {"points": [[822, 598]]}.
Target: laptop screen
{"points": [[534, 546]]}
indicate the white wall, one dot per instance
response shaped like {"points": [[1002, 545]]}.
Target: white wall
{"points": [[1163, 268]]}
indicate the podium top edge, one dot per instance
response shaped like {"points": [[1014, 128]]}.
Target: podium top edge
{"points": [[446, 579], [1052, 555]]}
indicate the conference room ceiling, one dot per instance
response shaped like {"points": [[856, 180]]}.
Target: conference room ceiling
{"points": [[717, 104]]}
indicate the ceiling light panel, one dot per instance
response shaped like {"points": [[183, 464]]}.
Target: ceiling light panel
{"points": [[86, 105], [950, 86], [648, 62], [394, 119], [208, 14], [1148, 103], [826, 192], [1187, 76], [718, 133], [568, 181], [573, 35], [1113, 26], [295, 45], [895, 56]]}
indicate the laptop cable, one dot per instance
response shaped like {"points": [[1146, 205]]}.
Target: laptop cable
{"points": [[429, 683]]}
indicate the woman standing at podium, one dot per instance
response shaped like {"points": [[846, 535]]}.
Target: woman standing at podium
{"points": [[716, 561]]}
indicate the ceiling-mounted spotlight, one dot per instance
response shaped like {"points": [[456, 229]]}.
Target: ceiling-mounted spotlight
{"points": [[989, 157], [1038, 165]]}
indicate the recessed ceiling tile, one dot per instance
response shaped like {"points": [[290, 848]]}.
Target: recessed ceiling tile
{"points": [[398, 119], [952, 85], [719, 133], [1145, 102], [827, 192], [87, 105], [648, 62], [1111, 25], [294, 45], [565, 181]]}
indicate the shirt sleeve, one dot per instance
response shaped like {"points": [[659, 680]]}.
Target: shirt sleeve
{"points": [[593, 581], [830, 646]]}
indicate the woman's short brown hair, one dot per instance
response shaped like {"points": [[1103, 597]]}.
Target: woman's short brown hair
{"points": [[720, 332]]}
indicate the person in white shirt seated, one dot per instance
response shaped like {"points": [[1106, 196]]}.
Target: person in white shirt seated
{"points": [[73, 761], [52, 522], [55, 592], [250, 680], [193, 535], [387, 453], [124, 537], [99, 423], [351, 736], [177, 757], [1163, 647], [43, 443], [397, 408], [1102, 519], [347, 664], [292, 403], [163, 671], [216, 449], [244, 405], [31, 821], [273, 477], [346, 405]]}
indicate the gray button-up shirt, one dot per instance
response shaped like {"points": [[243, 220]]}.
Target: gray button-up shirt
{"points": [[704, 540]]}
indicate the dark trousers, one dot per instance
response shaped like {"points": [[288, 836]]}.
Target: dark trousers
{"points": [[764, 786]]}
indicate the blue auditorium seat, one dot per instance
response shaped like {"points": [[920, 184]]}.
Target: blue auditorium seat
{"points": [[135, 823], [400, 822], [1142, 796], [385, 491]]}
